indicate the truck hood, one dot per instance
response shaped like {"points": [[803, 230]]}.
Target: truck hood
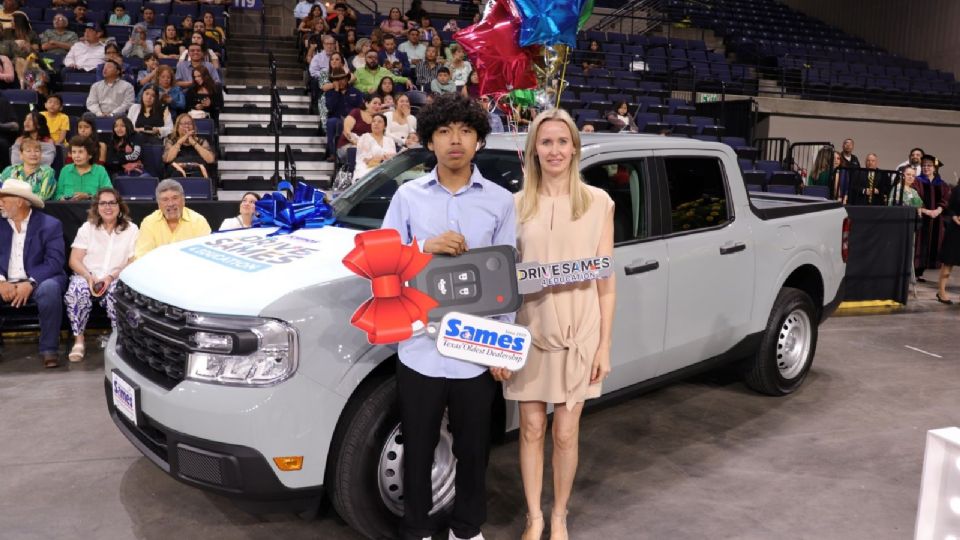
{"points": [[240, 272]]}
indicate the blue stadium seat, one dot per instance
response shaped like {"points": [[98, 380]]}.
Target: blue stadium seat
{"points": [[74, 103], [152, 157], [136, 188], [196, 188]]}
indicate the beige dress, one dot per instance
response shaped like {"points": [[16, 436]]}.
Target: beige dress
{"points": [[564, 320]]}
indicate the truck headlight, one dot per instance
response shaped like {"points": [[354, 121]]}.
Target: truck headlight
{"points": [[273, 361]]}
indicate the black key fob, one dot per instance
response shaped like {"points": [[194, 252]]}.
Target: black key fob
{"points": [[480, 282]]}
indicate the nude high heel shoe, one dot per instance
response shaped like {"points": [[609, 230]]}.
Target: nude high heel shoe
{"points": [[534, 529], [558, 525]]}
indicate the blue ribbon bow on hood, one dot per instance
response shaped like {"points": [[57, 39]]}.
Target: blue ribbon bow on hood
{"points": [[308, 209]]}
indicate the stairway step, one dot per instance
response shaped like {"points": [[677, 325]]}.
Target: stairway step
{"points": [[248, 109], [265, 117], [285, 99], [285, 90], [228, 166], [263, 155], [268, 147], [262, 141], [261, 130]]}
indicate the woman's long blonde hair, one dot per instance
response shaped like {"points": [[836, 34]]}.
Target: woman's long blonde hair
{"points": [[579, 194]]}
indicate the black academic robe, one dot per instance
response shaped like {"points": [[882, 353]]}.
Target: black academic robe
{"points": [[935, 194]]}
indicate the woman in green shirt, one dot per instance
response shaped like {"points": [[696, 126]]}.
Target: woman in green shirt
{"points": [[40, 177], [81, 179]]}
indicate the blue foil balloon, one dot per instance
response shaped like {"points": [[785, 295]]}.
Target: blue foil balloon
{"points": [[306, 210], [548, 22]]}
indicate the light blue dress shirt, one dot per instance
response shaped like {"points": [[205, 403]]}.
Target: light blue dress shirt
{"points": [[483, 213]]}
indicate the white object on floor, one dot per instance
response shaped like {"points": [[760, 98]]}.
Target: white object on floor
{"points": [[938, 514]]}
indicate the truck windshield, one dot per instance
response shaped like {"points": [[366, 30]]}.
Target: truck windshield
{"points": [[364, 204]]}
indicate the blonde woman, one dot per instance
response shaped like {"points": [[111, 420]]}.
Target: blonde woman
{"points": [[559, 218]]}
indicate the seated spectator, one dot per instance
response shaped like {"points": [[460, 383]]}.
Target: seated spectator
{"points": [[325, 84], [340, 101], [427, 70], [588, 128], [443, 52], [148, 75], [415, 13], [149, 19], [247, 210], [451, 26], [204, 98], [35, 127], [199, 27], [305, 7], [593, 58], [112, 96], [102, 248], [138, 45], [186, 26], [42, 179], [472, 88], [392, 59], [342, 19], [427, 31], [88, 53], [360, 59], [171, 95], [81, 179], [80, 20], [25, 40], [321, 61], [185, 153], [400, 123], [621, 120], [369, 77], [124, 153], [173, 222], [195, 55], [443, 84], [59, 39], [374, 148], [31, 263], [459, 67], [348, 45], [57, 122], [385, 90], [8, 74], [314, 23], [151, 118], [119, 17], [212, 31], [208, 54], [413, 48], [357, 123], [496, 125], [86, 128], [170, 45]]}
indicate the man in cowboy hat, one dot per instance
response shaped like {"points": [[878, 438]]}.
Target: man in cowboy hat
{"points": [[31, 262]]}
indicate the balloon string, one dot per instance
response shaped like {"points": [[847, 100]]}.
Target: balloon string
{"points": [[563, 74]]}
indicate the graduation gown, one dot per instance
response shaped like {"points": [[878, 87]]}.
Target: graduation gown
{"points": [[935, 194]]}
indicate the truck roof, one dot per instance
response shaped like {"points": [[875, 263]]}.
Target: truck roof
{"points": [[611, 142]]}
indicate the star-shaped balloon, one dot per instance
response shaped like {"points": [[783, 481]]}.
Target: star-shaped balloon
{"points": [[547, 22], [493, 49]]}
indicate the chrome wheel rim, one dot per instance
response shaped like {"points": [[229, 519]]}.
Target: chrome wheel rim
{"points": [[442, 474], [793, 344]]}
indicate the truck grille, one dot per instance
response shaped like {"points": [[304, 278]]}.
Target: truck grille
{"points": [[152, 337]]}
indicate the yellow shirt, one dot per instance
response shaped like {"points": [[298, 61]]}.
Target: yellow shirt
{"points": [[154, 231], [59, 126]]}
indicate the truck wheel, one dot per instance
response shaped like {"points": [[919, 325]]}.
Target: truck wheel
{"points": [[788, 345], [365, 470]]}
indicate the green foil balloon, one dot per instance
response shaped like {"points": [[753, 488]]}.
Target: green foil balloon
{"points": [[585, 14], [524, 98]]}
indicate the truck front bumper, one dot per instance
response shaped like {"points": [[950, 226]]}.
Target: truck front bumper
{"points": [[225, 438]]}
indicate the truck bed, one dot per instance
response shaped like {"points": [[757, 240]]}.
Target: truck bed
{"points": [[774, 206]]}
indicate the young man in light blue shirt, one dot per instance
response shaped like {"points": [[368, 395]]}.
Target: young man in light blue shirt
{"points": [[449, 210]]}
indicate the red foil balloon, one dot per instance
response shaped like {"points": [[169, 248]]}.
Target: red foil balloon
{"points": [[492, 45]]}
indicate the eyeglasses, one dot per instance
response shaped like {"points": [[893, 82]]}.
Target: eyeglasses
{"points": [[107, 203]]}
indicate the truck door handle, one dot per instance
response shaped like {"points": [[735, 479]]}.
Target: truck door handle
{"points": [[732, 248], [641, 268]]}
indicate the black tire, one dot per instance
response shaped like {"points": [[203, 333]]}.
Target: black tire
{"points": [[351, 477], [764, 372]]}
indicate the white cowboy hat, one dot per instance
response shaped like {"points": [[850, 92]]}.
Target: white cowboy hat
{"points": [[19, 188]]}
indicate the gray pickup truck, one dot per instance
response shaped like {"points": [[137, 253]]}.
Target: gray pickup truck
{"points": [[234, 367]]}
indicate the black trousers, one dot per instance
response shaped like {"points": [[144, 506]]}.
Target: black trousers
{"points": [[422, 403]]}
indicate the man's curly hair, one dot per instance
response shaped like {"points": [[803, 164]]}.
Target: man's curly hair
{"points": [[447, 109]]}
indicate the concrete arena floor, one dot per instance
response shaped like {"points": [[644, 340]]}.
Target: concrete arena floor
{"points": [[840, 459]]}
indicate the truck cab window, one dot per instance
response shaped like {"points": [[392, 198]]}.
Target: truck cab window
{"points": [[698, 196], [624, 182]]}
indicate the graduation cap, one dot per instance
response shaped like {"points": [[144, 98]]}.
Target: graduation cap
{"points": [[936, 162]]}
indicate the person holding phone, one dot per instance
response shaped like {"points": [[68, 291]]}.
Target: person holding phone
{"points": [[150, 117], [451, 209], [102, 248]]}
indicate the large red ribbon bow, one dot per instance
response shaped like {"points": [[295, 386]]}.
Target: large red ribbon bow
{"points": [[389, 315]]}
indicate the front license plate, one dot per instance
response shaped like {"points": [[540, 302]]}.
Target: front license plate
{"points": [[125, 397]]}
